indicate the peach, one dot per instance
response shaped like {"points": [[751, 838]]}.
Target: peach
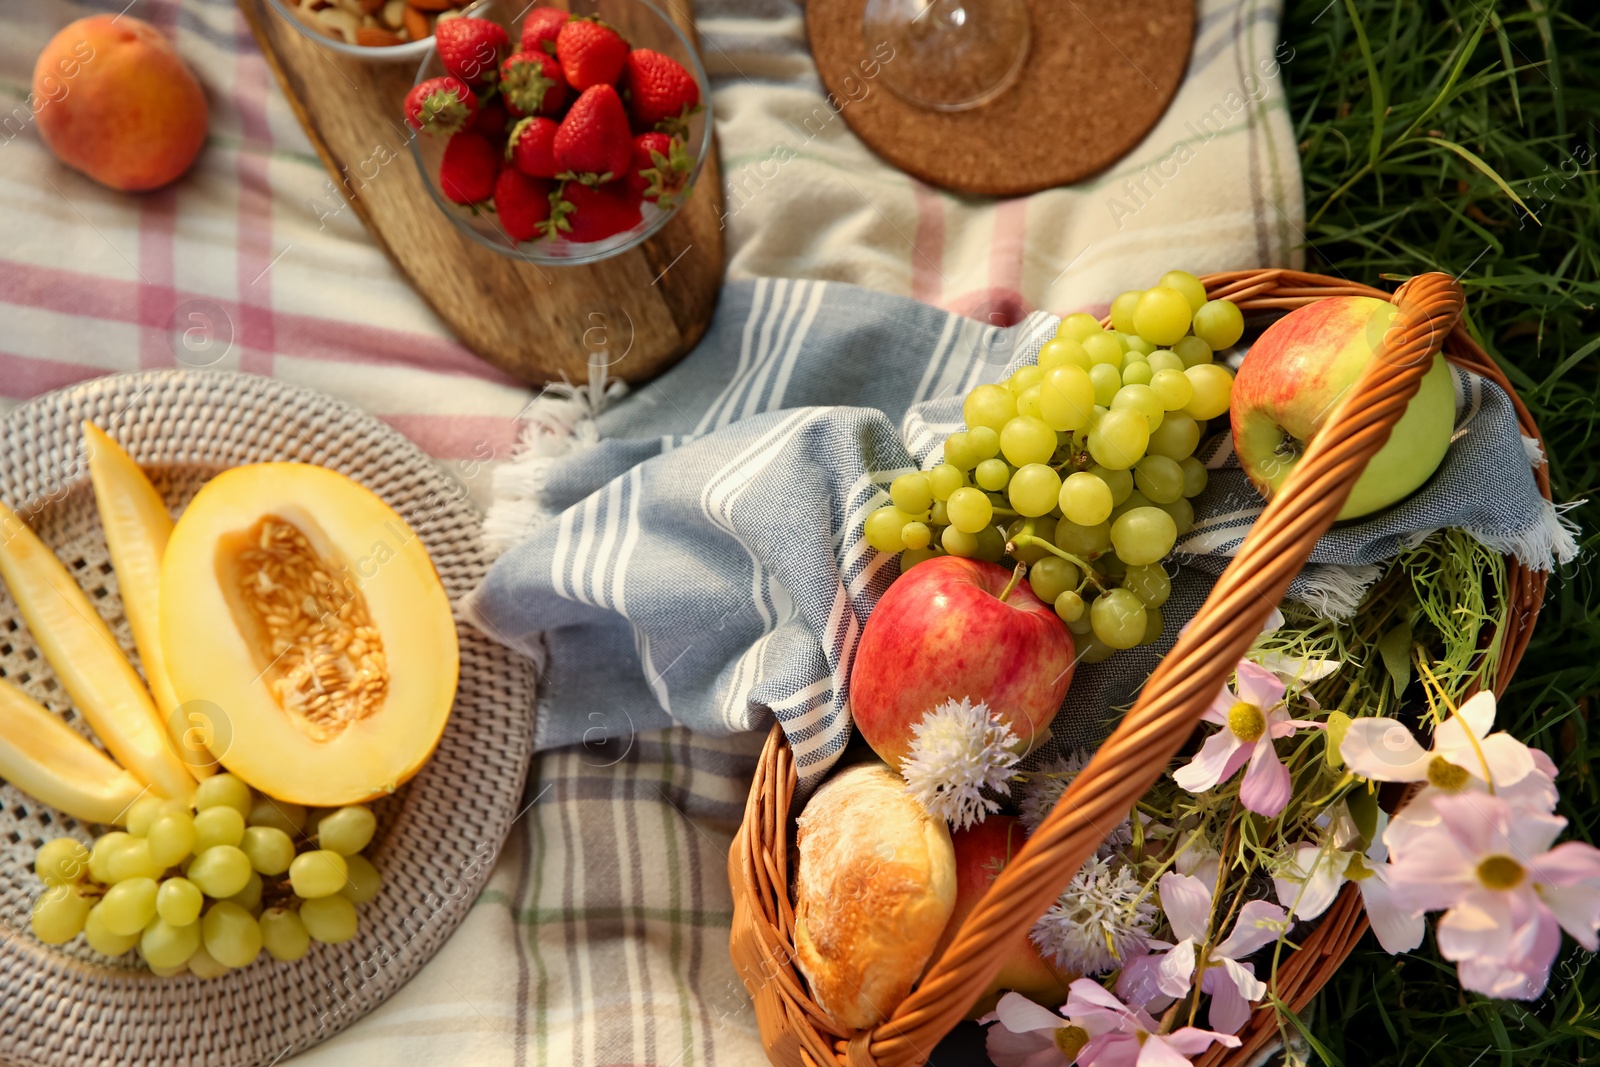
{"points": [[116, 102]]}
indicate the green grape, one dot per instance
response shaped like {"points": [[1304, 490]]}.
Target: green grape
{"points": [[283, 935], [249, 898], [171, 838], [1104, 350], [970, 511], [1163, 359], [1192, 351], [146, 810], [959, 542], [179, 901], [1085, 499], [913, 556], [129, 906], [1195, 476], [945, 479], [1188, 285], [364, 881], [913, 534], [882, 530], [1122, 310], [166, 945], [1136, 499], [1182, 513], [1154, 623], [224, 791], [1143, 535], [1081, 627], [1148, 582], [1136, 373], [220, 871], [1027, 440], [1119, 438], [329, 919], [1067, 398], [1118, 618], [1051, 577], [1136, 345], [61, 862], [103, 940], [989, 405], [1085, 542], [1107, 380], [958, 451], [100, 855], [1219, 323], [232, 935], [1093, 650], [1024, 377], [992, 475], [1143, 399], [133, 860], [1159, 478], [1069, 606], [1064, 352], [1213, 388], [59, 914], [991, 544], [1120, 482], [1079, 325], [271, 850], [217, 826], [1173, 388], [1175, 438], [1028, 401], [1162, 316], [984, 442], [280, 814], [911, 493], [939, 514], [1043, 527], [318, 874], [203, 965], [1034, 489]]}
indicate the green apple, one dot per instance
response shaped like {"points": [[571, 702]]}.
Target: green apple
{"points": [[1293, 380]]}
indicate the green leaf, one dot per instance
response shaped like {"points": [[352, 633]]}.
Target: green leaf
{"points": [[1363, 805], [1487, 170], [1380, 106], [1395, 648]]}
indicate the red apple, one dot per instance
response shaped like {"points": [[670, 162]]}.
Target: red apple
{"points": [[942, 633], [1293, 379], [981, 852]]}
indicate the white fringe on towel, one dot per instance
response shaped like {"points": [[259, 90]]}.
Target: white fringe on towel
{"points": [[1332, 591]]}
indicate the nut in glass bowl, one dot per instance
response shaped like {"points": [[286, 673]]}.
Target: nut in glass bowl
{"points": [[561, 137], [372, 30]]}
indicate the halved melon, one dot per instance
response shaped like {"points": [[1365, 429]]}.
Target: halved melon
{"points": [[307, 617], [45, 758]]}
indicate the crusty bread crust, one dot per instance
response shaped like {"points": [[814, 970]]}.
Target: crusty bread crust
{"points": [[874, 889]]}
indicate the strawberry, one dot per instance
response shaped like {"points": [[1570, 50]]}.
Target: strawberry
{"points": [[662, 94], [591, 53], [469, 48], [523, 204], [531, 147], [593, 144], [491, 118], [590, 213], [540, 28], [467, 172], [532, 84], [660, 168], [440, 105]]}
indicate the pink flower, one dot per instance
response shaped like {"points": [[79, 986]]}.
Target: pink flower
{"points": [[1120, 1036], [1505, 892], [1252, 716], [1030, 1036]]}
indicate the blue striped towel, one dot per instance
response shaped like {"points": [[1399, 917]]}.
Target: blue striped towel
{"points": [[693, 552]]}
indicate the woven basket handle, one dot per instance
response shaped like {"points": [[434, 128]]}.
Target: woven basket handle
{"points": [[1183, 686]]}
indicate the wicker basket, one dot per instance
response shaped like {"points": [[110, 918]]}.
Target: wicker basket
{"points": [[795, 1031]]}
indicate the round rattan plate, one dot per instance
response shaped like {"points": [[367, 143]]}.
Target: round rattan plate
{"points": [[438, 836]]}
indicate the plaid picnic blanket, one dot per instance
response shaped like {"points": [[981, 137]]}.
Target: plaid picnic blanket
{"points": [[602, 938]]}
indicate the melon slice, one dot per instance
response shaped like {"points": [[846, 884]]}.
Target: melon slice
{"points": [[87, 660], [137, 527], [307, 612], [45, 758]]}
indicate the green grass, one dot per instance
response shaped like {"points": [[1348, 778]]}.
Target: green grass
{"points": [[1464, 136]]}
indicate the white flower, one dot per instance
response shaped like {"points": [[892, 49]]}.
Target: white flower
{"points": [[1534, 792], [1291, 669], [958, 750], [1041, 789], [1099, 921], [1384, 750], [1309, 877]]}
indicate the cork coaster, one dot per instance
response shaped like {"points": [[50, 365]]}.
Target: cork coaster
{"points": [[1097, 77]]}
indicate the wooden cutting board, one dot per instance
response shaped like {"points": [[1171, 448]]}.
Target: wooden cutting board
{"points": [[536, 322]]}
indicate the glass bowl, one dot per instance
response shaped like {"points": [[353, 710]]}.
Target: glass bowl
{"points": [[408, 51], [643, 25]]}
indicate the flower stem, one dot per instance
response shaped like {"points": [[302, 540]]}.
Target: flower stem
{"points": [[1016, 576]]}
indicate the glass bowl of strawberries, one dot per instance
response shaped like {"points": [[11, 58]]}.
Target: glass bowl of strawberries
{"points": [[560, 136]]}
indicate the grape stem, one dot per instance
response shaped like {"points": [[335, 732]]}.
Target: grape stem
{"points": [[1016, 576], [1088, 571]]}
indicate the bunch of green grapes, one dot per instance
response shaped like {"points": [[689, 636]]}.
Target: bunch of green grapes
{"points": [[206, 889], [1082, 466]]}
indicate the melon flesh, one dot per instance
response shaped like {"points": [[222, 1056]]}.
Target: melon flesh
{"points": [[304, 611], [45, 758]]}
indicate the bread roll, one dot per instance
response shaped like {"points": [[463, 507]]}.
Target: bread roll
{"points": [[874, 889]]}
